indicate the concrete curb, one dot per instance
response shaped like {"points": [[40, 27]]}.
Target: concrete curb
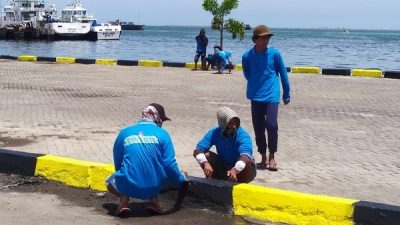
{"points": [[248, 200], [376, 73]]}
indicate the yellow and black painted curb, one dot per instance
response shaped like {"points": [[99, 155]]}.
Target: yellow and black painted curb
{"points": [[248, 200], [377, 73]]}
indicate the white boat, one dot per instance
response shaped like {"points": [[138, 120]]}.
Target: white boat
{"points": [[17, 12], [74, 23], [105, 31]]}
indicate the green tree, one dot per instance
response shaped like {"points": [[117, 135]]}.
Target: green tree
{"points": [[220, 11]]}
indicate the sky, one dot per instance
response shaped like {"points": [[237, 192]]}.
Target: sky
{"points": [[354, 14]]}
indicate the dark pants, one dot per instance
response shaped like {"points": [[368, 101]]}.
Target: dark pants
{"points": [[265, 116], [220, 171]]}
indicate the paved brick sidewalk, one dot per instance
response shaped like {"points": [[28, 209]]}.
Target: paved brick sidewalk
{"points": [[340, 136]]}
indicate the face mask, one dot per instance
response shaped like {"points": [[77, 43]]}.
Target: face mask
{"points": [[230, 131]]}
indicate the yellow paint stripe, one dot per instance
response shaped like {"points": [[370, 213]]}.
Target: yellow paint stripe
{"points": [[65, 60], [239, 67], [73, 172], [106, 61], [291, 207], [306, 69], [27, 58], [190, 65], [151, 63], [366, 73]]}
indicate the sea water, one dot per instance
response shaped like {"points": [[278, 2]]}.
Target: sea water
{"points": [[326, 48]]}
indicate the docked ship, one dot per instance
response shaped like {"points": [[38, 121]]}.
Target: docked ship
{"points": [[76, 24], [19, 19], [30, 19], [131, 26]]}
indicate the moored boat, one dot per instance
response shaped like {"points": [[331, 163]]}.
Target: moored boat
{"points": [[131, 26]]}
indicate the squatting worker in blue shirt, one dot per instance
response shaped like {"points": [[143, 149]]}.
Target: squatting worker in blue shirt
{"points": [[234, 159], [144, 160], [224, 59], [201, 50], [264, 70]]}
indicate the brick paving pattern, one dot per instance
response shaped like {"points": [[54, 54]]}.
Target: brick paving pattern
{"points": [[340, 136]]}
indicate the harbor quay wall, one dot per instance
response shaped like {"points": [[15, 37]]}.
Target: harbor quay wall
{"points": [[315, 70]]}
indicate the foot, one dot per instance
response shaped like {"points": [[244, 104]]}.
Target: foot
{"points": [[123, 207], [263, 164], [154, 206], [272, 166]]}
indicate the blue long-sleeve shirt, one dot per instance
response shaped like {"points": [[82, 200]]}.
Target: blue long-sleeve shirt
{"points": [[201, 44], [263, 72], [229, 149], [144, 159], [224, 55]]}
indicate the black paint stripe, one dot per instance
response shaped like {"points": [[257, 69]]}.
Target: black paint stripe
{"points": [[336, 71], [372, 213], [85, 61], [18, 162]]}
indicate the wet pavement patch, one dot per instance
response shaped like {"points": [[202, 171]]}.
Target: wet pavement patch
{"points": [[13, 142], [193, 211]]}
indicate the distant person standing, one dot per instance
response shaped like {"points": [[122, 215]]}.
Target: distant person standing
{"points": [[263, 68], [202, 42]]}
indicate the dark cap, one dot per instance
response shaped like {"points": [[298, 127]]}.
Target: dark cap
{"points": [[161, 111], [261, 30], [217, 46]]}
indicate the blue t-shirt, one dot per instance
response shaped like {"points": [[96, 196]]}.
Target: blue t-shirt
{"points": [[262, 72], [144, 159], [229, 149]]}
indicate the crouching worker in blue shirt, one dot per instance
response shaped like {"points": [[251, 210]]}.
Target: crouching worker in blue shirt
{"points": [[224, 59], [144, 160], [234, 159]]}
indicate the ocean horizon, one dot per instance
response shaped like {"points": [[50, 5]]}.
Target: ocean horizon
{"points": [[323, 47]]}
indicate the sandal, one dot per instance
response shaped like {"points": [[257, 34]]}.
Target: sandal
{"points": [[261, 166], [154, 210], [123, 212], [272, 166]]}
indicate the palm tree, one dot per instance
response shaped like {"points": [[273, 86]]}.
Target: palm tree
{"points": [[235, 27]]}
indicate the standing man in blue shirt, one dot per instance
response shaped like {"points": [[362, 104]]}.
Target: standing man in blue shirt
{"points": [[234, 159], [201, 50], [144, 160], [264, 70]]}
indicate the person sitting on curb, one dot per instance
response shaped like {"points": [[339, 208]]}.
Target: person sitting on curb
{"points": [[144, 159], [223, 58], [234, 158]]}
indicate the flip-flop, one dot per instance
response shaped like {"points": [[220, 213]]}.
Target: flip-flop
{"points": [[123, 212], [154, 210], [261, 166], [272, 167]]}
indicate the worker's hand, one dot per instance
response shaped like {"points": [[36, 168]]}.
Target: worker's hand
{"points": [[232, 174], [207, 168], [185, 174], [286, 101]]}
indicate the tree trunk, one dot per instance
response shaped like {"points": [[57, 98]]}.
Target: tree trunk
{"points": [[221, 37]]}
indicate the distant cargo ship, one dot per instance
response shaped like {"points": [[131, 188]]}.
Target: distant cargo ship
{"points": [[131, 26]]}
